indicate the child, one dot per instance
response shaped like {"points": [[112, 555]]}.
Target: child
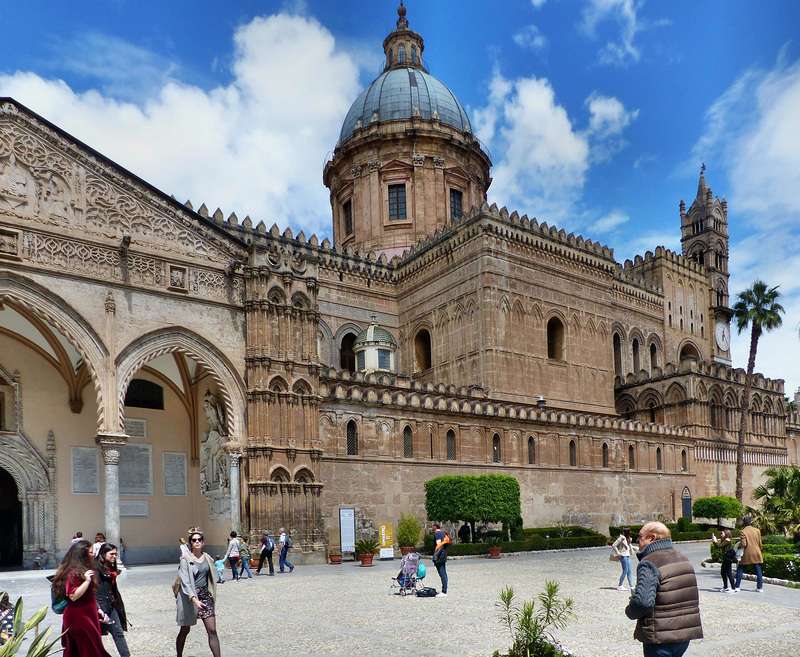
{"points": [[219, 562]]}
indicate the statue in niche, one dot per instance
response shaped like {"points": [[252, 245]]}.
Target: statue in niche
{"points": [[214, 461]]}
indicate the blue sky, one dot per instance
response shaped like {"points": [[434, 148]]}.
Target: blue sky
{"points": [[598, 113]]}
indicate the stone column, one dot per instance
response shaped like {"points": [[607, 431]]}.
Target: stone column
{"points": [[110, 444], [236, 511]]}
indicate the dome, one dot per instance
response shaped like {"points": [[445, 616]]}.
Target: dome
{"points": [[374, 333], [398, 93]]}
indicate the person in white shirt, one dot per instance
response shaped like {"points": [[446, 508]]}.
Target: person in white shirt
{"points": [[623, 548], [232, 555], [285, 544]]}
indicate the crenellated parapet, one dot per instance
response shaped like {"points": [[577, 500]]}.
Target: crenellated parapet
{"points": [[404, 392]]}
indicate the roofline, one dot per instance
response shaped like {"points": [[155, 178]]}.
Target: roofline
{"points": [[177, 204]]}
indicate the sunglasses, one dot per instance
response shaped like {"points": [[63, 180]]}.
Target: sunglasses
{"points": [[196, 540]]}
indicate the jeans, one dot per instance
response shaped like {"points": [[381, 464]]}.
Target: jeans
{"points": [[266, 554], [245, 566], [625, 562], [740, 570], [440, 568], [665, 649], [233, 561], [727, 574], [283, 561], [220, 575], [117, 633]]}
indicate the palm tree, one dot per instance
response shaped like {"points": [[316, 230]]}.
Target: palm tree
{"points": [[780, 500], [758, 308]]}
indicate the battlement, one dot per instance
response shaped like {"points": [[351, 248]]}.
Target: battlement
{"points": [[391, 390], [793, 420], [704, 368]]}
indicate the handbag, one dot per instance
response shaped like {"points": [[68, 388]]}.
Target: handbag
{"points": [[739, 551], [58, 604], [613, 557]]}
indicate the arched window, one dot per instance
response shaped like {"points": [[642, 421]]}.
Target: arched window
{"points": [[347, 357], [145, 394], [659, 463], [352, 438], [451, 445], [496, 448], [637, 365], [605, 455], [631, 458], [684, 461], [555, 339], [401, 53], [422, 351], [413, 54], [652, 408], [531, 450], [617, 355], [573, 456], [391, 55], [408, 443], [653, 357]]}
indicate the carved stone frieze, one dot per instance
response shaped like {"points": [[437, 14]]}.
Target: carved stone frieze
{"points": [[418, 160], [438, 162], [374, 165], [356, 171]]}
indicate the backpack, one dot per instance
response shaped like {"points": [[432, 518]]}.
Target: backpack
{"points": [[269, 546], [58, 604], [426, 592], [288, 542]]}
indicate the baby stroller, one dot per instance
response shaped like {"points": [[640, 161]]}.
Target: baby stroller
{"points": [[410, 577]]}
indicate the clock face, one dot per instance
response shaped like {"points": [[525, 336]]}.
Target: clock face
{"points": [[723, 337]]}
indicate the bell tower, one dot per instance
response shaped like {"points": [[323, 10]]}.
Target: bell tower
{"points": [[704, 240]]}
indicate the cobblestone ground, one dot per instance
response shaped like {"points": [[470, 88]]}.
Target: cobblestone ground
{"points": [[347, 610]]}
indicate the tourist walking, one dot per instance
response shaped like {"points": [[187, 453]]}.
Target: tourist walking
{"points": [[219, 564], [184, 547], [99, 540], [725, 544], [197, 594], [232, 555], [109, 599], [267, 548], [244, 557], [285, 544], [665, 603], [441, 540], [76, 580], [750, 540], [623, 549]]}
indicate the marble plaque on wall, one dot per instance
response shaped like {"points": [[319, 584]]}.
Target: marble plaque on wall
{"points": [[175, 473], [135, 427], [136, 469], [86, 470], [134, 509]]}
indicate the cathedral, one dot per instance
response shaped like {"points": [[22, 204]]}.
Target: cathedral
{"points": [[163, 366]]}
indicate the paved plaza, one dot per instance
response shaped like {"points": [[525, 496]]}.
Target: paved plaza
{"points": [[346, 610]]}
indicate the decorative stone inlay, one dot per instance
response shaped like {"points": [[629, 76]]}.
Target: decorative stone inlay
{"points": [[178, 278], [418, 160], [10, 244]]}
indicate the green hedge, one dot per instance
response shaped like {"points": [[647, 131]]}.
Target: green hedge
{"points": [[696, 533], [782, 566], [771, 539], [555, 532], [791, 548], [534, 540]]}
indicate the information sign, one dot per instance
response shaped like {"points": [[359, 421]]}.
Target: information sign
{"points": [[347, 530]]}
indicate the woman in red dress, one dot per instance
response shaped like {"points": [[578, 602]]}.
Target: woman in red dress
{"points": [[75, 579]]}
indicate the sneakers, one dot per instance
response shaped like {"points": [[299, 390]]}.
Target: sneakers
{"points": [[621, 588], [441, 595], [727, 590], [736, 590], [291, 568], [759, 590]]}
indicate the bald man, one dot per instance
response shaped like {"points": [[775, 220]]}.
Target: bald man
{"points": [[665, 603]]}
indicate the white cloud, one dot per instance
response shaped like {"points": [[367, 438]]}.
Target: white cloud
{"points": [[751, 135], [538, 3], [644, 159], [543, 160], [625, 12], [608, 118], [609, 222], [530, 37], [253, 146]]}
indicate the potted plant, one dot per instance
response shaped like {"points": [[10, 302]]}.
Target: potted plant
{"points": [[408, 530], [366, 549], [335, 555], [494, 547]]}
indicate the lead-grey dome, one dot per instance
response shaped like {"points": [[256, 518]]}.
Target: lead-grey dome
{"points": [[397, 93]]}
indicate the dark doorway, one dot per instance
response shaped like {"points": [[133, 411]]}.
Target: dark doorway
{"points": [[10, 522], [686, 503]]}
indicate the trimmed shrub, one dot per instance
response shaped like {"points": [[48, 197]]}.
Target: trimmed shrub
{"points": [[771, 539], [719, 506], [773, 548], [488, 498], [782, 566]]}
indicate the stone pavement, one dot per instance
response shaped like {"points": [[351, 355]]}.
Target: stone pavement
{"points": [[346, 610]]}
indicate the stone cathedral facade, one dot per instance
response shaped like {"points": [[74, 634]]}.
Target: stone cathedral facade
{"points": [[162, 366]]}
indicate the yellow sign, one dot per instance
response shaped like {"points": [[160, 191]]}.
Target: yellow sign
{"points": [[386, 535]]}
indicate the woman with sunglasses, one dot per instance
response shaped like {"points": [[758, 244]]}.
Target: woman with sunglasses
{"points": [[109, 599], [197, 594]]}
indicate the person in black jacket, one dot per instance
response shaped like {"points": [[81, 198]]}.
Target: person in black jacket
{"points": [[440, 556], [109, 599]]}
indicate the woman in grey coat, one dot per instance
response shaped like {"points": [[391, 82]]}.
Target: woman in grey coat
{"points": [[196, 574]]}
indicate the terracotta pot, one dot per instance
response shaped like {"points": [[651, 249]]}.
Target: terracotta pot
{"points": [[407, 549], [335, 558], [494, 551], [366, 559]]}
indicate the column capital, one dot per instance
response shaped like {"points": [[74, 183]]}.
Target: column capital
{"points": [[111, 439]]}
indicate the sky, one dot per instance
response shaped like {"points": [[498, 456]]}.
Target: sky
{"points": [[598, 113]]}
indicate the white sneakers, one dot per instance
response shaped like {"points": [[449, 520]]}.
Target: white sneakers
{"points": [[759, 590], [621, 588], [736, 590], [727, 590], [441, 595]]}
